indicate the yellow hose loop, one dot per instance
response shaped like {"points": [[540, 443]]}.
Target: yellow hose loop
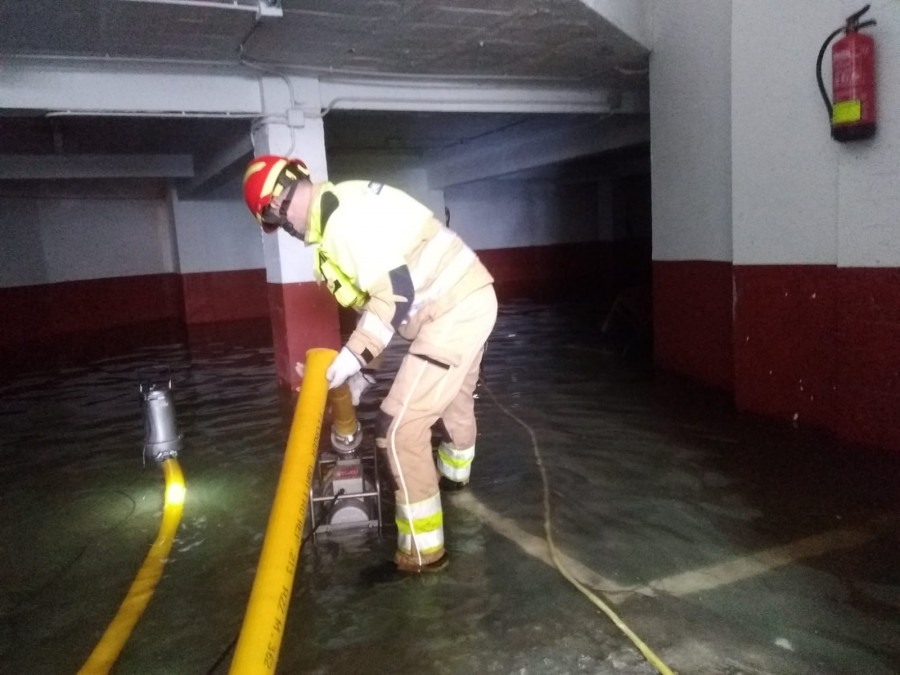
{"points": [[263, 628], [654, 660], [110, 646]]}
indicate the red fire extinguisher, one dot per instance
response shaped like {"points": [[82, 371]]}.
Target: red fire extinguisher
{"points": [[852, 115]]}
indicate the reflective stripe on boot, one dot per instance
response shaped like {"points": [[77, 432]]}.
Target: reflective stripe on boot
{"points": [[455, 464], [420, 528]]}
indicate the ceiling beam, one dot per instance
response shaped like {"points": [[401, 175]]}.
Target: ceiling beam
{"points": [[77, 88], [450, 96], [46, 167]]}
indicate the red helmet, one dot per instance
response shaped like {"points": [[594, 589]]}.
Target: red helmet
{"points": [[266, 176]]}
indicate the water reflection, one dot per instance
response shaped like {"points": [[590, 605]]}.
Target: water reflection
{"points": [[649, 480]]}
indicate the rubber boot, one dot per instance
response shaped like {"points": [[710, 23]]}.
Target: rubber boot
{"points": [[447, 485], [410, 564]]}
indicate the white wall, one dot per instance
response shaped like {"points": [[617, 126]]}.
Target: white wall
{"points": [[783, 159], [215, 236], [21, 251], [76, 236], [401, 171], [868, 210], [690, 131], [86, 236], [492, 213], [800, 197], [514, 213], [744, 168]]}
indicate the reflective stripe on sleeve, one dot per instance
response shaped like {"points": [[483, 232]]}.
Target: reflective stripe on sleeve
{"points": [[431, 259], [370, 323], [422, 523], [455, 464]]}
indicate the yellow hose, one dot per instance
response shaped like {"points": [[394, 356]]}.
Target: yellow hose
{"points": [[263, 628], [110, 646]]}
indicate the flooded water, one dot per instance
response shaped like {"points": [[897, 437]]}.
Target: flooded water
{"points": [[727, 544]]}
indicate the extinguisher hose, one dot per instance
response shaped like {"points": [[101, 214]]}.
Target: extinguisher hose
{"points": [[819, 71]]}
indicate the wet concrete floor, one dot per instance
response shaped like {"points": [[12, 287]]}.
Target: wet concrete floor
{"points": [[728, 544]]}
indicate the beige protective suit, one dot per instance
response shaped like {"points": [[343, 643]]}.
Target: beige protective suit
{"points": [[385, 254]]}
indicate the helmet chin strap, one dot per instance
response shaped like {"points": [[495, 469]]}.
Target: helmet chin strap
{"points": [[283, 221], [287, 227]]}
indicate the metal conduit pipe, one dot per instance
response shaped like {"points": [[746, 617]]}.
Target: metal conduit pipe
{"points": [[263, 629], [205, 4], [110, 646]]}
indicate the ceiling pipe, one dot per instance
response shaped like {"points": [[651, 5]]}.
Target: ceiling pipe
{"points": [[168, 114], [265, 9], [208, 4]]}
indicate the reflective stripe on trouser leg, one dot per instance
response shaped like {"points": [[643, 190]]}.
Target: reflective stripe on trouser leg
{"points": [[455, 464], [420, 526], [457, 449], [408, 445], [423, 388]]}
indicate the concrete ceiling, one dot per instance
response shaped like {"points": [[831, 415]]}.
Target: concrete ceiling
{"points": [[528, 40], [523, 42]]}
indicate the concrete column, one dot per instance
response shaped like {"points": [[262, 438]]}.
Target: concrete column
{"points": [[690, 131], [303, 313]]}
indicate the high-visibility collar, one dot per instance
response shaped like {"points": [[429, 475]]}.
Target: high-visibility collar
{"points": [[341, 285], [315, 225]]}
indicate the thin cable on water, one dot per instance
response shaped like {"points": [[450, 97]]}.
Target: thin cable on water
{"points": [[652, 658]]}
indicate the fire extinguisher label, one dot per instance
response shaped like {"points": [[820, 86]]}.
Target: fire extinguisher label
{"points": [[846, 111]]}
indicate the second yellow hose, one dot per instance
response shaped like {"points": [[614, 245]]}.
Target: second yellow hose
{"points": [[107, 650]]}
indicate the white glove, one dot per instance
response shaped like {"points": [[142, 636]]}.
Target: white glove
{"points": [[344, 366], [358, 383]]}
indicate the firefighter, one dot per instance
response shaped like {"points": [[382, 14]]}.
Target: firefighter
{"points": [[385, 255]]}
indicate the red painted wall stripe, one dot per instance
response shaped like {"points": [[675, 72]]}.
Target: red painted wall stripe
{"points": [[225, 296], [579, 271], [785, 339], [867, 376], [34, 314], [304, 316], [812, 343], [692, 320]]}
